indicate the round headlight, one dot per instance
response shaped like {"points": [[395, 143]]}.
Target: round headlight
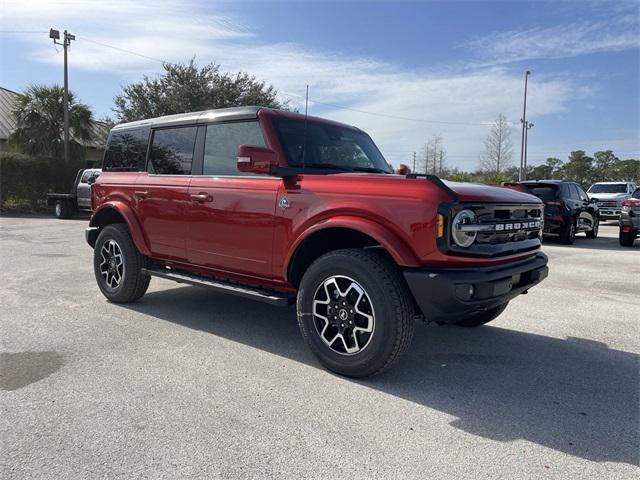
{"points": [[462, 238]]}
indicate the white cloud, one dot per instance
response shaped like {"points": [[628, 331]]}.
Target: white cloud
{"points": [[175, 32], [560, 41]]}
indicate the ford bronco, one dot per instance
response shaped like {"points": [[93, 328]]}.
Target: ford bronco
{"points": [[283, 208]]}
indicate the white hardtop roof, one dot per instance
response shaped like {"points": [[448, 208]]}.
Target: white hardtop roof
{"points": [[206, 116]]}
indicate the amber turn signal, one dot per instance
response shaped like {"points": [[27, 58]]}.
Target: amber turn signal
{"points": [[440, 225]]}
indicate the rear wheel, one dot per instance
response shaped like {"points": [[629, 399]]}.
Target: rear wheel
{"points": [[568, 232], [626, 239], [117, 265], [483, 317], [593, 233], [355, 312], [63, 209]]}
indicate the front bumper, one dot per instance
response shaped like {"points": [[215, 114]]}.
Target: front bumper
{"points": [[91, 235], [449, 294]]}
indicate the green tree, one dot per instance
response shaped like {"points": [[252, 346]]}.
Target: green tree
{"points": [[39, 120], [578, 168], [189, 88], [627, 170], [604, 165]]}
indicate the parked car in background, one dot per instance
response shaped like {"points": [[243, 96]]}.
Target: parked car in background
{"points": [[630, 219], [280, 207], [568, 210], [610, 196], [67, 204]]}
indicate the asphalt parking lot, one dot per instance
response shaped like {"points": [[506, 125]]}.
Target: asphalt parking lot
{"points": [[187, 383]]}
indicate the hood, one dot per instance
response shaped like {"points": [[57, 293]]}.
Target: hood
{"points": [[476, 192], [608, 196]]}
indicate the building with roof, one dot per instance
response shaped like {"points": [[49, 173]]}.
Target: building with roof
{"points": [[94, 148]]}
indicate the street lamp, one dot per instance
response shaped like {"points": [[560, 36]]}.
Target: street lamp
{"points": [[66, 41], [524, 127], [528, 126]]}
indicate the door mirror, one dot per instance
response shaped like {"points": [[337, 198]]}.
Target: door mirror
{"points": [[403, 169], [593, 200], [254, 159]]}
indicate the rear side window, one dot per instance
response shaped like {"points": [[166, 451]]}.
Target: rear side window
{"points": [[221, 146], [172, 151], [126, 150], [636, 194]]}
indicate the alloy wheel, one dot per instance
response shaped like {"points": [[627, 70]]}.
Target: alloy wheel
{"points": [[112, 263], [343, 315]]}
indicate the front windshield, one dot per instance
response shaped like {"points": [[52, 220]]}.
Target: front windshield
{"points": [[611, 188], [329, 146]]}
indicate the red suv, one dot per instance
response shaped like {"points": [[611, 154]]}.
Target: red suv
{"points": [[283, 208]]}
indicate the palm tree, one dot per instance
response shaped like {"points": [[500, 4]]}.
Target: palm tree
{"points": [[40, 126]]}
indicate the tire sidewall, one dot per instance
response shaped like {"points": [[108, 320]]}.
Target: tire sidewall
{"points": [[380, 345], [112, 232]]}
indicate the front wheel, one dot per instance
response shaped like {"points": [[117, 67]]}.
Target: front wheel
{"points": [[482, 318], [355, 312], [117, 265]]}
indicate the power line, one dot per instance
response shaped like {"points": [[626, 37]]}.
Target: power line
{"points": [[24, 31], [395, 117], [124, 50]]}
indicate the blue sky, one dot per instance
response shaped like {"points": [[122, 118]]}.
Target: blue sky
{"points": [[461, 63]]}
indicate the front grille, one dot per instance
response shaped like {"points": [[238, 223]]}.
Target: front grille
{"points": [[501, 229], [608, 204], [513, 223]]}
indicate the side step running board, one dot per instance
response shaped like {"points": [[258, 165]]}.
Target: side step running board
{"points": [[267, 296]]}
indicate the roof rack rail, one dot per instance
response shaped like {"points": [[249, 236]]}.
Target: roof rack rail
{"points": [[434, 179]]}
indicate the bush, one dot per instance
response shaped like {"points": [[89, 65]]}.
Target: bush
{"points": [[25, 181]]}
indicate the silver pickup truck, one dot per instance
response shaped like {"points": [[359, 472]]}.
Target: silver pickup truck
{"points": [[609, 196], [67, 204]]}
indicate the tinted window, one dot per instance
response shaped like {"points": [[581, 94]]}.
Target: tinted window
{"points": [[323, 145], [574, 192], [543, 192], [126, 150], [582, 194], [636, 194], [172, 151], [221, 146]]}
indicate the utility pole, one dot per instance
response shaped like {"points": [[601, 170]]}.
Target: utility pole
{"points": [[524, 128], [414, 163], [528, 126], [66, 41], [440, 169]]}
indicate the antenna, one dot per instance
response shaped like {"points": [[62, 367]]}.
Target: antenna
{"points": [[304, 135]]}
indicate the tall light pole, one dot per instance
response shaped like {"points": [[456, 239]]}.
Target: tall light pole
{"points": [[528, 126], [66, 41], [523, 120]]}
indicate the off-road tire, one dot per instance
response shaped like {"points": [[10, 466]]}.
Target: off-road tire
{"points": [[626, 239], [568, 232], [593, 233], [63, 210], [482, 318], [134, 283], [391, 303]]}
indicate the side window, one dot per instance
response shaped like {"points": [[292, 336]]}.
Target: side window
{"points": [[583, 196], [172, 151], [574, 192], [221, 146], [126, 150], [636, 194]]}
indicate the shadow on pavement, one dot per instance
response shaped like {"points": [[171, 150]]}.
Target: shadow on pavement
{"points": [[572, 395], [600, 243]]}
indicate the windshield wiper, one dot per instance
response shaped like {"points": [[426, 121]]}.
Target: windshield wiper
{"points": [[328, 166], [369, 169]]}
